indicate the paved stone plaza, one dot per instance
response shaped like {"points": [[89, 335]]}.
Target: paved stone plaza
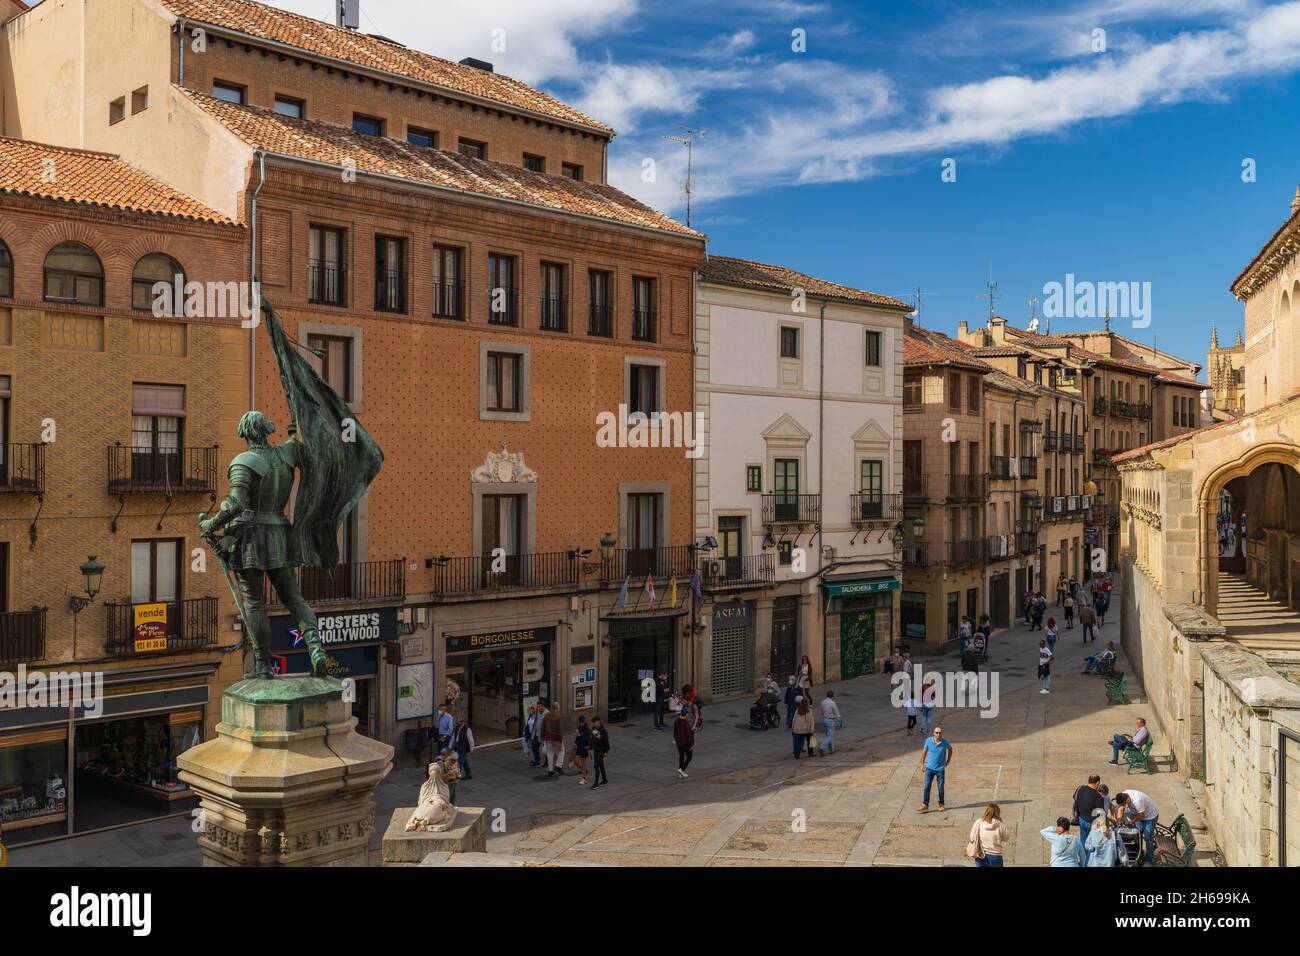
{"points": [[738, 806]]}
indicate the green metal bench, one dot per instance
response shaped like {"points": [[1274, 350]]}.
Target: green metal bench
{"points": [[1139, 757], [1180, 834], [1115, 689]]}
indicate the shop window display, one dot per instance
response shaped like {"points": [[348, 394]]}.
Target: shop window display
{"points": [[139, 752], [32, 789]]}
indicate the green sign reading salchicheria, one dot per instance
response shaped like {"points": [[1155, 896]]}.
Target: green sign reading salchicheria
{"points": [[862, 587]]}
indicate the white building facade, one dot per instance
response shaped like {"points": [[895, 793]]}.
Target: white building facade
{"points": [[799, 382]]}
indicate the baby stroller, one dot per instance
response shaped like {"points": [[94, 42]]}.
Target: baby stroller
{"points": [[1130, 846], [764, 714]]}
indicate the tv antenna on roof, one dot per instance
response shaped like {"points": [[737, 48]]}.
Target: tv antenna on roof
{"points": [[687, 140], [991, 295], [1033, 315]]}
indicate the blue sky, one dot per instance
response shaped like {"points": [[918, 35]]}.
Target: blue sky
{"points": [[1122, 164]]}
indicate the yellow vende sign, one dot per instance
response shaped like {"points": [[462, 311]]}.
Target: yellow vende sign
{"points": [[150, 627]]}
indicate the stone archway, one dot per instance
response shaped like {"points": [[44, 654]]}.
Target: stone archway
{"points": [[1266, 485]]}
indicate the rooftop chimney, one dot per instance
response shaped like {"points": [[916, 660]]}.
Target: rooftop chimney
{"points": [[962, 330], [348, 14], [483, 65]]}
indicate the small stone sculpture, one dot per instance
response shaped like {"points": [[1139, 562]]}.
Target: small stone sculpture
{"points": [[435, 812]]}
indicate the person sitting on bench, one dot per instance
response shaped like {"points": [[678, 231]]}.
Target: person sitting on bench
{"points": [[1125, 741], [1096, 663]]}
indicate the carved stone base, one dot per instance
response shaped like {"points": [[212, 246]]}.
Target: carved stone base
{"points": [[288, 781], [468, 834]]}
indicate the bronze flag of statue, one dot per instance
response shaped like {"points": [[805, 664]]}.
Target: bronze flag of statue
{"points": [[336, 459]]}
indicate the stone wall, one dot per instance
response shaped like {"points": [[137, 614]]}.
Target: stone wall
{"points": [[1246, 701]]}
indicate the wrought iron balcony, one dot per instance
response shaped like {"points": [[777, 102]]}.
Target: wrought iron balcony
{"points": [[1026, 542], [22, 469], [645, 324], [1051, 441], [967, 487], [482, 574], [788, 508], [600, 320], [448, 299], [748, 570], [190, 625], [917, 555], [503, 306], [326, 283], [640, 563], [914, 487], [22, 636], [1000, 546], [555, 313], [177, 471], [869, 506], [390, 291], [1078, 444], [999, 467], [1028, 467], [349, 582], [967, 552]]}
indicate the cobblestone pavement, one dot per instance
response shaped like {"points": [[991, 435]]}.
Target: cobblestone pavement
{"points": [[745, 789]]}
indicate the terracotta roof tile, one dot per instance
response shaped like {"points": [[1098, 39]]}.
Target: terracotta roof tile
{"points": [[1175, 379], [1196, 432], [758, 275], [96, 179], [376, 53], [333, 144], [926, 347]]}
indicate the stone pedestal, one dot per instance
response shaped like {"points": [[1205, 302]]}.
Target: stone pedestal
{"points": [[288, 781], [468, 834]]}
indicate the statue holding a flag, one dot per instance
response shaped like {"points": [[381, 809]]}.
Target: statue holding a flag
{"points": [[336, 460]]}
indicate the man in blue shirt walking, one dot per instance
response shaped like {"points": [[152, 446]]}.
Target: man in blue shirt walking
{"points": [[935, 757]]}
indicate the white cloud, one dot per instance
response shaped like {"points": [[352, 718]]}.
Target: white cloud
{"points": [[620, 95]]}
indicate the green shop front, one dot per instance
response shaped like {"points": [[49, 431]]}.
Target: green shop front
{"points": [[859, 624]]}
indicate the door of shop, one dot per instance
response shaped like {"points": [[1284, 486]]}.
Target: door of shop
{"points": [[785, 637], [637, 650], [1000, 600], [857, 643], [494, 699]]}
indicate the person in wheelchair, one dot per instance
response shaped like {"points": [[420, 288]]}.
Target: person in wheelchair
{"points": [[764, 712]]}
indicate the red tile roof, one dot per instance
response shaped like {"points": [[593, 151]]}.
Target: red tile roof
{"points": [[759, 275], [926, 347], [312, 36], [1179, 439], [338, 145], [93, 179]]}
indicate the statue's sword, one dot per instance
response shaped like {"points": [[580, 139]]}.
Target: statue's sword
{"points": [[213, 543]]}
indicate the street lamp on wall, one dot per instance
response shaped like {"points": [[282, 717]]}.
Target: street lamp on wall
{"points": [[92, 573]]}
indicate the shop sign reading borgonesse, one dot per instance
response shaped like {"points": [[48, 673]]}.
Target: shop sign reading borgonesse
{"points": [[490, 640]]}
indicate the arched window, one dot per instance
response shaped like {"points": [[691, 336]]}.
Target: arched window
{"points": [[152, 269], [6, 273], [73, 274]]}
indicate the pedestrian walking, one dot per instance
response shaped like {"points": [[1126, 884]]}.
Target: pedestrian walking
{"points": [[530, 733], [987, 835], [1101, 848], [1040, 608], [1087, 802], [581, 748], [805, 676], [462, 745], [928, 695], [1069, 612], [536, 746], [1061, 584], [935, 757], [984, 631], [446, 724], [911, 713], [831, 721], [1045, 667], [1099, 605], [1051, 633], [663, 691], [1028, 608], [792, 696], [964, 631], [684, 737], [553, 740], [1067, 849], [599, 750], [1087, 620], [802, 728]]}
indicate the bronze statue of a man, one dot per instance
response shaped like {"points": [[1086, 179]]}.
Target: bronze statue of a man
{"points": [[255, 543], [336, 460]]}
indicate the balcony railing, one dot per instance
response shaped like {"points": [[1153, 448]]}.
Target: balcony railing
{"points": [[966, 487], [1028, 467], [448, 299], [1051, 441], [350, 581], [22, 469], [1001, 546], [1078, 444], [967, 552], [999, 467], [1101, 457], [1026, 542], [1118, 408], [600, 320], [917, 555], [503, 306], [914, 488], [789, 508], [644, 322], [22, 636], [482, 574], [555, 313], [326, 283], [190, 624], [1030, 525], [872, 506], [390, 291], [639, 563], [180, 471], [748, 570]]}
